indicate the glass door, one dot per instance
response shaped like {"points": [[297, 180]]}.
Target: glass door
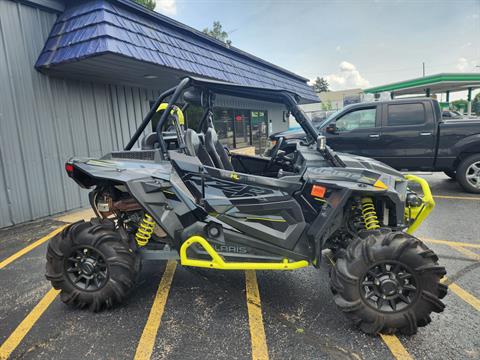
{"points": [[242, 132], [223, 123], [259, 130]]}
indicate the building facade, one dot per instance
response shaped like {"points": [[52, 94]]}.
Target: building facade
{"points": [[77, 78]]}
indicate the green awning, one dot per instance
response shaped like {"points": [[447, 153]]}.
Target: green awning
{"points": [[436, 83]]}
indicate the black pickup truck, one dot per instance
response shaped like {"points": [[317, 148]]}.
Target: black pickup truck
{"points": [[407, 134]]}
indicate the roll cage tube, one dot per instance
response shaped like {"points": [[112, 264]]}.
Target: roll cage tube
{"points": [[310, 130], [148, 118], [176, 94]]}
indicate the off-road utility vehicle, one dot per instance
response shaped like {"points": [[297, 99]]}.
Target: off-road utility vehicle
{"points": [[210, 209]]}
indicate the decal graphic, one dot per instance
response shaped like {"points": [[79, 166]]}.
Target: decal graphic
{"points": [[359, 175]]}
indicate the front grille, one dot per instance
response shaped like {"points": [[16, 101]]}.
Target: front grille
{"points": [[134, 155]]}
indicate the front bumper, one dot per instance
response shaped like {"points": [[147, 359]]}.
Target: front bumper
{"points": [[416, 215]]}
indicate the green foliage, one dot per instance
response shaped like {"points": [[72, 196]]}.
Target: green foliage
{"points": [[327, 105], [320, 85], [149, 4], [218, 33], [476, 104], [460, 104]]}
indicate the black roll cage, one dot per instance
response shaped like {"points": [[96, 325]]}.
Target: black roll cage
{"points": [[290, 100]]}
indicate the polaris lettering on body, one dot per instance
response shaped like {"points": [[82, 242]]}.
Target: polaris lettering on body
{"points": [[230, 249], [359, 175]]}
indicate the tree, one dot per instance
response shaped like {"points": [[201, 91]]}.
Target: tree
{"points": [[320, 85], [327, 105], [149, 4], [218, 33], [460, 104], [476, 104]]}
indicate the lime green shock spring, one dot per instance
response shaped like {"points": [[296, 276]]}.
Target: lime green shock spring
{"points": [[369, 214], [145, 230]]}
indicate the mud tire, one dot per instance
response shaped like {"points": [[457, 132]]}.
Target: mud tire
{"points": [[373, 247], [121, 262]]}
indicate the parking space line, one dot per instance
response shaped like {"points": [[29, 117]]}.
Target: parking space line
{"points": [[466, 252], [456, 197], [396, 348], [255, 318], [465, 296], [451, 243], [22, 330], [147, 340], [30, 247]]}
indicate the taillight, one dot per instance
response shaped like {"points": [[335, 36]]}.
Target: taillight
{"points": [[69, 168]]}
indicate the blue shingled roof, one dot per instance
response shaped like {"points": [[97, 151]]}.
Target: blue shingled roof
{"points": [[120, 27]]}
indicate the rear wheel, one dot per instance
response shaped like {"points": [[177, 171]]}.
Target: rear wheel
{"points": [[387, 282], [92, 265], [468, 173]]}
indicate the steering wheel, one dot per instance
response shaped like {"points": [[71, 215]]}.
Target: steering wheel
{"points": [[274, 152]]}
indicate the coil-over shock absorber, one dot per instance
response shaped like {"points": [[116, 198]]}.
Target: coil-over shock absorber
{"points": [[369, 214], [145, 230]]}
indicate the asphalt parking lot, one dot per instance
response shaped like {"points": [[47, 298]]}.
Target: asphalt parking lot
{"points": [[180, 313]]}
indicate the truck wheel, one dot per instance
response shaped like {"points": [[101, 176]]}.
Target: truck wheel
{"points": [[92, 265], [451, 174], [388, 281], [468, 173]]}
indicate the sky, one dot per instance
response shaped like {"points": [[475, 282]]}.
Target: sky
{"points": [[350, 43]]}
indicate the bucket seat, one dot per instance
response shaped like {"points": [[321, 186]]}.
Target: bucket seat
{"points": [[216, 150], [194, 147]]}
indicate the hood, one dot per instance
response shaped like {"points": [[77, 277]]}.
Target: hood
{"points": [[289, 134], [356, 161], [297, 133]]}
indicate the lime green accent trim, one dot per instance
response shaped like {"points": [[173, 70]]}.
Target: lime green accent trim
{"points": [[175, 111], [266, 219], [217, 261], [427, 80], [420, 213]]}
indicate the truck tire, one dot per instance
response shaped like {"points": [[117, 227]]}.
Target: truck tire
{"points": [[92, 265], [468, 173], [451, 174], [387, 282]]}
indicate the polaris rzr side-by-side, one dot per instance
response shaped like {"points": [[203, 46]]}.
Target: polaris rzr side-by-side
{"points": [[195, 202]]}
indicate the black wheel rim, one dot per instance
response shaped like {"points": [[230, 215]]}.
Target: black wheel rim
{"points": [[389, 287], [86, 268]]}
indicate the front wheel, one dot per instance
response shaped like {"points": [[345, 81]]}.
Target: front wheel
{"points": [[92, 265], [468, 173], [388, 281]]}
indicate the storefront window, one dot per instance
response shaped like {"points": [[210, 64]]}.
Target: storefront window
{"points": [[242, 128], [237, 128], [223, 123], [259, 131], [193, 117]]}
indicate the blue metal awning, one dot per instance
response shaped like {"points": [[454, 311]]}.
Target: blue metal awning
{"points": [[92, 31]]}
